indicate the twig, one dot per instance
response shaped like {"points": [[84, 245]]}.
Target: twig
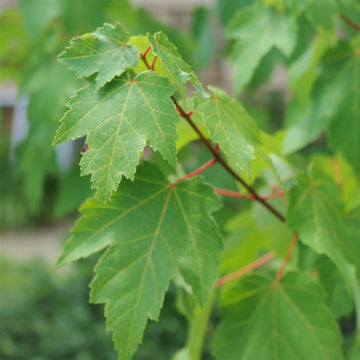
{"points": [[349, 22], [197, 171], [237, 194], [287, 257], [153, 63], [246, 269]]}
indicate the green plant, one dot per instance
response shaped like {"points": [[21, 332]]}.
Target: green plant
{"points": [[295, 224]]}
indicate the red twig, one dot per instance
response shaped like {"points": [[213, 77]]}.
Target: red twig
{"points": [[287, 257], [197, 171], [144, 59], [246, 269], [145, 52], [237, 194], [153, 63]]}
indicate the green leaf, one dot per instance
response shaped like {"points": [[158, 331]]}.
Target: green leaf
{"points": [[322, 13], [178, 71], [33, 21], [339, 300], [105, 52], [233, 129], [256, 31], [316, 212], [117, 120], [344, 130], [176, 233], [303, 71], [277, 321], [227, 8], [204, 35], [337, 86], [36, 160]]}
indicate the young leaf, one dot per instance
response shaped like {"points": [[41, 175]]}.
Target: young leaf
{"points": [[233, 129], [179, 72], [277, 321], [117, 120], [315, 211], [255, 31], [105, 52], [153, 229]]}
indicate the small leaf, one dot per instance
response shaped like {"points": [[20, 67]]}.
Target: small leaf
{"points": [[117, 121], [255, 31], [104, 52], [277, 321], [234, 130], [179, 72], [231, 127], [153, 229]]}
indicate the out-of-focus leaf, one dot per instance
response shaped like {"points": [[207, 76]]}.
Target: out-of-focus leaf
{"points": [[265, 320]]}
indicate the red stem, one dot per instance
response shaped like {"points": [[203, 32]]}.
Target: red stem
{"points": [[197, 171], [247, 196], [153, 63], [246, 269], [287, 257], [146, 51]]}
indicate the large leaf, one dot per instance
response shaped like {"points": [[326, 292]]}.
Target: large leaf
{"points": [[104, 52], [153, 229], [117, 120], [178, 71], [287, 320], [255, 31], [316, 212]]}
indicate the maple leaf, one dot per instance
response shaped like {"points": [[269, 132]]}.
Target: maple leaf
{"points": [[105, 52], [178, 71], [256, 31], [265, 320], [234, 130], [153, 229], [117, 120]]}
